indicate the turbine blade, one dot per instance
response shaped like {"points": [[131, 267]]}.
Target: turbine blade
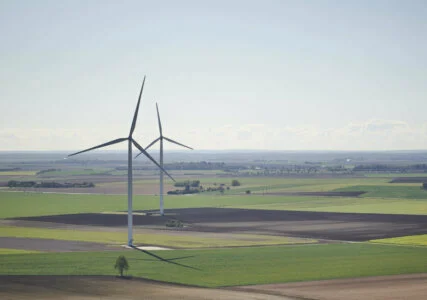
{"points": [[158, 119], [152, 159], [135, 116], [152, 143], [146, 148], [102, 145], [175, 142]]}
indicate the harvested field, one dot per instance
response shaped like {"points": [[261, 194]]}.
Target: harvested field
{"points": [[397, 287], [317, 225], [109, 186], [108, 287], [409, 179], [47, 245]]}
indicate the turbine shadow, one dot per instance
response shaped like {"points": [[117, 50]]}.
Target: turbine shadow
{"points": [[169, 261]]}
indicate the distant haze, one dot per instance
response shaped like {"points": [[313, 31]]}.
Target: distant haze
{"points": [[277, 75]]}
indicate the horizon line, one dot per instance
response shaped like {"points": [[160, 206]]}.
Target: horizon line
{"points": [[235, 150]]}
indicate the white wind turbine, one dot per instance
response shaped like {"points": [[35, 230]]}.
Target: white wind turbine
{"points": [[131, 141], [161, 138]]}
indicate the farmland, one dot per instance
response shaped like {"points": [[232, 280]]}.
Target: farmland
{"points": [[286, 229], [218, 268]]}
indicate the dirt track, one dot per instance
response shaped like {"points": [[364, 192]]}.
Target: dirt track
{"points": [[318, 225], [412, 287], [99, 287], [398, 287]]}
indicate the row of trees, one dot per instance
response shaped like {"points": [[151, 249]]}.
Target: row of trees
{"points": [[194, 183], [33, 184], [193, 187], [391, 168]]}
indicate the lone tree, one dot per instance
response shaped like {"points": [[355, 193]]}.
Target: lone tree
{"points": [[424, 186], [121, 264], [235, 182]]}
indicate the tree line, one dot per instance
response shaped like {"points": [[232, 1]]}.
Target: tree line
{"points": [[34, 184]]}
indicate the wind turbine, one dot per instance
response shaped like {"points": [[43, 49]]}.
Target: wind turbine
{"points": [[161, 138], [131, 141]]}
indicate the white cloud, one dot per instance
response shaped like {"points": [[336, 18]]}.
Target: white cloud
{"points": [[370, 135]]}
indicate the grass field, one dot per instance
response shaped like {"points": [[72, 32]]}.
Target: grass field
{"points": [[344, 205], [276, 184], [229, 267], [16, 204], [415, 240], [159, 239], [401, 191]]}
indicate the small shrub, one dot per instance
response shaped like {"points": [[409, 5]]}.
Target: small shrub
{"points": [[248, 192], [424, 186], [235, 182], [121, 264]]}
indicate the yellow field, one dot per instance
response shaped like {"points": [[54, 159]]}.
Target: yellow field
{"points": [[418, 240], [17, 173], [166, 239], [15, 251]]}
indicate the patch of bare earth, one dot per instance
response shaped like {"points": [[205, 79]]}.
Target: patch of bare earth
{"points": [[99, 287], [304, 224], [412, 287]]}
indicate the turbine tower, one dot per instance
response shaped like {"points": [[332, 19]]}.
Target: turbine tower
{"points": [[131, 141], [161, 138]]}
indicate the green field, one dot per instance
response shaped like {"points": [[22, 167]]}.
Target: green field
{"points": [[400, 191], [415, 240], [164, 239], [344, 205], [19, 204], [229, 267]]}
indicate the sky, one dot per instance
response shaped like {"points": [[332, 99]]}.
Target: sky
{"points": [[270, 75]]}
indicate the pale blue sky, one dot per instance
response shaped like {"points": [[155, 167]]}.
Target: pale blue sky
{"points": [[348, 75]]}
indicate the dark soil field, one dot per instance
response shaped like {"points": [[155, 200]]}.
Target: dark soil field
{"points": [[409, 179], [318, 225]]}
